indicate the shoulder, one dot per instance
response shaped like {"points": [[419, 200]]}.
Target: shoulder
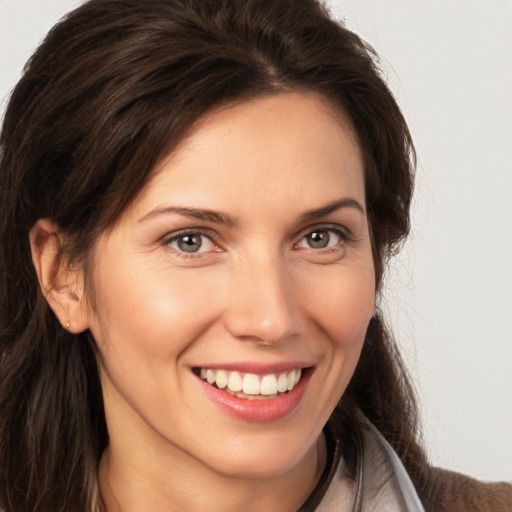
{"points": [[444, 491], [454, 492]]}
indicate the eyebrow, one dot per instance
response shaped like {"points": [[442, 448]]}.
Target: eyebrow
{"points": [[194, 213], [207, 215], [345, 202]]}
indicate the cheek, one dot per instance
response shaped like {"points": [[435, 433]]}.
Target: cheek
{"points": [[343, 303], [151, 316]]}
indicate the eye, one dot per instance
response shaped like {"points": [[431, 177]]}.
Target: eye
{"points": [[322, 238], [191, 242]]}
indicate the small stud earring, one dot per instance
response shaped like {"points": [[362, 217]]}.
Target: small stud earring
{"points": [[67, 325]]}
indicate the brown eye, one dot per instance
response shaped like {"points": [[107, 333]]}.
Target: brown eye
{"points": [[321, 239], [192, 242]]}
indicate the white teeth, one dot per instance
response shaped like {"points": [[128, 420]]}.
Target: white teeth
{"points": [[210, 376], [291, 380], [221, 379], [269, 385], [282, 383], [250, 384], [235, 382]]}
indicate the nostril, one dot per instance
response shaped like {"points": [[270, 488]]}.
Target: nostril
{"points": [[261, 329], [262, 306]]}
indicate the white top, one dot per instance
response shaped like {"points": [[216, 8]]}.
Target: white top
{"points": [[382, 483]]}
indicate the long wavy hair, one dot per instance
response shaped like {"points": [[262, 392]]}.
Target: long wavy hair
{"points": [[113, 87]]}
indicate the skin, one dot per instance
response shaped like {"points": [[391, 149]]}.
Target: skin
{"points": [[256, 291]]}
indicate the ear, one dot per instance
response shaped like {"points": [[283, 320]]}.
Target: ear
{"points": [[61, 286]]}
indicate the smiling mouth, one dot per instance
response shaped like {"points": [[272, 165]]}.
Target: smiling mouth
{"points": [[250, 386]]}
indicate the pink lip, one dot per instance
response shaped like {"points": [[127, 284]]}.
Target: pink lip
{"points": [[259, 368], [258, 410]]}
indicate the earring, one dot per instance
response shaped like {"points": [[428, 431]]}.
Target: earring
{"points": [[67, 325]]}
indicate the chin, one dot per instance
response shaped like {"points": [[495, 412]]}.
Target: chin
{"points": [[264, 458]]}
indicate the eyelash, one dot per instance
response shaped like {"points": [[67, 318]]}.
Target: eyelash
{"points": [[343, 235], [203, 233]]}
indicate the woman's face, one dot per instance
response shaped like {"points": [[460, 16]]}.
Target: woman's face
{"points": [[244, 262]]}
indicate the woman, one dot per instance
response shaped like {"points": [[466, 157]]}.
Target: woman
{"points": [[198, 201]]}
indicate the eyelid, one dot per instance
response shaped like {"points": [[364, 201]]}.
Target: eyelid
{"points": [[185, 231], [342, 231], [206, 233]]}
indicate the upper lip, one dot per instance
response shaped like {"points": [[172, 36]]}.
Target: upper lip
{"points": [[257, 368]]}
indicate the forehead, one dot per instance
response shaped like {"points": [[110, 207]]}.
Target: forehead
{"points": [[277, 148]]}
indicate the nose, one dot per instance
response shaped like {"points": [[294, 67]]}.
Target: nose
{"points": [[263, 307]]}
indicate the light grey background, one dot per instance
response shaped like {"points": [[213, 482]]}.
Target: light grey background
{"points": [[449, 295]]}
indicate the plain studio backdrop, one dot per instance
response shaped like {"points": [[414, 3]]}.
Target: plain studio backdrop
{"points": [[449, 296]]}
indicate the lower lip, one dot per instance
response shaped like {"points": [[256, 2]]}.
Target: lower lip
{"points": [[258, 410]]}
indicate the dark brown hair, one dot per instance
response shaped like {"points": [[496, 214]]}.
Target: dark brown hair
{"points": [[113, 87]]}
